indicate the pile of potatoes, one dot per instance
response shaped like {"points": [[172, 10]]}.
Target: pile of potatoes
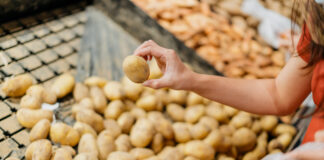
{"points": [[126, 121], [221, 34]]}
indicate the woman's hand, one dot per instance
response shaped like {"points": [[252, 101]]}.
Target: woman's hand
{"points": [[175, 74]]}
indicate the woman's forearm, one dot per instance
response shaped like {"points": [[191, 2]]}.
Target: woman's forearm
{"points": [[255, 96]]}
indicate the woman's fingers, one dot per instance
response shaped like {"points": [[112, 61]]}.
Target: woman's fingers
{"points": [[319, 136], [157, 83]]}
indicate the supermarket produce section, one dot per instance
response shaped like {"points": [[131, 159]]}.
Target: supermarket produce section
{"points": [[104, 119]]}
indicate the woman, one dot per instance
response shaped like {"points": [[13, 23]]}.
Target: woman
{"points": [[303, 73]]}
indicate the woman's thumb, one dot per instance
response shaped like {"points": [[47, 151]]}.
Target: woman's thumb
{"points": [[156, 83]]}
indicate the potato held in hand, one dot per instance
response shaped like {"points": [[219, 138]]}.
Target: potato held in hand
{"points": [[136, 69]]}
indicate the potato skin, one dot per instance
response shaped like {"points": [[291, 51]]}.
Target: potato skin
{"points": [[141, 153], [63, 85], [114, 109], [176, 112], [244, 139], [17, 86], [284, 128], [200, 150], [80, 92], [113, 127], [120, 155], [171, 153], [91, 118], [84, 128], [181, 132], [114, 90], [268, 123], [88, 144], [95, 81], [123, 143], [194, 113], [64, 134], [31, 102], [61, 154], [39, 150], [86, 156], [40, 130], [148, 103], [125, 121], [106, 144], [157, 142], [136, 68], [142, 133], [99, 99], [29, 117]]}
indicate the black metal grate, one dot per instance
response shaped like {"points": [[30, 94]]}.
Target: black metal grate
{"points": [[43, 45]]}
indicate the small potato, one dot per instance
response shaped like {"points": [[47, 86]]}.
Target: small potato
{"points": [[138, 113], [132, 90], [227, 130], [99, 99], [210, 122], [44, 95], [120, 155], [136, 68], [114, 109], [17, 86], [142, 133], [123, 143], [194, 99], [230, 111], [200, 150], [256, 127], [191, 158], [84, 128], [217, 113], [284, 128], [113, 127], [214, 138], [114, 90], [40, 130], [225, 157], [35, 91], [29, 117], [88, 144], [161, 124], [126, 121], [12, 158], [241, 120], [39, 150], [181, 132], [244, 139], [285, 140], [171, 153], [63, 85], [49, 97], [157, 142], [194, 113], [86, 156], [176, 112], [141, 153], [148, 103], [78, 107], [31, 102], [61, 154], [268, 123], [95, 81], [91, 118], [199, 131], [80, 92], [129, 105], [177, 96], [64, 134], [87, 103], [106, 144]]}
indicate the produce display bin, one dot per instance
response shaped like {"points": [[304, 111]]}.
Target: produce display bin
{"points": [[45, 45]]}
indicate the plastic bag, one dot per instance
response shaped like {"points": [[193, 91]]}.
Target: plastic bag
{"points": [[272, 24]]}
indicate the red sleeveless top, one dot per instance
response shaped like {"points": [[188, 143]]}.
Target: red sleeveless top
{"points": [[317, 85]]}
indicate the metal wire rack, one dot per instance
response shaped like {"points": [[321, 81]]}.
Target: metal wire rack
{"points": [[43, 45]]}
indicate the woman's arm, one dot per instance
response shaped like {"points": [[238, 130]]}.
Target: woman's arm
{"points": [[278, 96]]}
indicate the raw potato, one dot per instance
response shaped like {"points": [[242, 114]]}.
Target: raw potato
{"points": [[84, 128], [49, 97], [114, 109], [113, 127], [88, 144], [91, 118], [61, 154], [29, 117], [106, 144], [194, 99], [17, 86], [244, 139], [200, 150], [136, 69], [161, 124], [95, 81], [142, 133], [199, 131], [241, 120], [211, 123], [177, 96], [63, 85], [31, 102], [64, 134], [176, 112], [44, 95], [171, 153], [86, 156], [141, 153], [39, 150], [114, 90], [191, 158], [157, 142], [80, 92], [256, 126], [284, 128], [217, 112], [225, 145], [138, 113], [12, 158], [132, 90], [268, 123], [194, 113], [148, 103], [214, 138], [126, 121], [99, 99], [227, 130], [123, 143], [120, 155], [181, 132], [230, 111], [40, 130]]}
